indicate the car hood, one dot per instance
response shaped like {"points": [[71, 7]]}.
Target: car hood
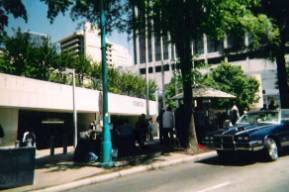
{"points": [[246, 129]]}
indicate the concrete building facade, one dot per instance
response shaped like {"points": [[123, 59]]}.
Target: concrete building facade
{"points": [[88, 42], [47, 109], [160, 57]]}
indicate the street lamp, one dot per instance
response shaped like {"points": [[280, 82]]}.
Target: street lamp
{"points": [[106, 143], [72, 72]]}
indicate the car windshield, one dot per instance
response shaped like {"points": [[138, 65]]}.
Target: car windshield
{"points": [[259, 117]]}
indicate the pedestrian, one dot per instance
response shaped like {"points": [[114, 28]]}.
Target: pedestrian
{"points": [[234, 113], [264, 108], [150, 128], [160, 122], [179, 124], [29, 138], [141, 130], [168, 124], [1, 134], [272, 105]]}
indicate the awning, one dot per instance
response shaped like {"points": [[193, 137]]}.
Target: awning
{"points": [[207, 92]]}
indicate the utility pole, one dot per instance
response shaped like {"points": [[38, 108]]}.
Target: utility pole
{"points": [[147, 75], [74, 110], [106, 140]]}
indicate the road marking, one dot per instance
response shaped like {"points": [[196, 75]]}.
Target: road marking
{"points": [[215, 187]]}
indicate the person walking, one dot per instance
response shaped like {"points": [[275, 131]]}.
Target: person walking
{"points": [[168, 124]]}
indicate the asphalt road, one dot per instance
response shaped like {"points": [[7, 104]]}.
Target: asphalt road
{"points": [[209, 175]]}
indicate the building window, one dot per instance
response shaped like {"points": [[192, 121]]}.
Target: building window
{"points": [[166, 67], [215, 60], [150, 69], [142, 48], [215, 46], [199, 46], [158, 69], [166, 46], [142, 71], [150, 50], [235, 42], [172, 52], [158, 48]]}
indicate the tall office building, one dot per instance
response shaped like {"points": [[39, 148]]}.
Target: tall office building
{"points": [[37, 39], [88, 42], [159, 56]]}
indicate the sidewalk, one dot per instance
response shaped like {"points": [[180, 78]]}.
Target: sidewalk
{"points": [[60, 173]]}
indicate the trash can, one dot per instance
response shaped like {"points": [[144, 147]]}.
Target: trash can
{"points": [[16, 167]]}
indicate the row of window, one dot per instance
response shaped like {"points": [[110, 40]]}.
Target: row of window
{"points": [[158, 69], [157, 46], [233, 43], [212, 61]]}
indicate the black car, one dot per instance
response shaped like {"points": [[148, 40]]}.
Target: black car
{"points": [[266, 131]]}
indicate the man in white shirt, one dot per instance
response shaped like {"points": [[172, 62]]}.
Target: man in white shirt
{"points": [[168, 124]]}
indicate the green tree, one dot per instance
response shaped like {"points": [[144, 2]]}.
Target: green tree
{"points": [[22, 57], [278, 11], [232, 79], [10, 7], [184, 20]]}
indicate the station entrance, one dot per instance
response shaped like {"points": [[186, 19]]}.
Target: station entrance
{"points": [[50, 128]]}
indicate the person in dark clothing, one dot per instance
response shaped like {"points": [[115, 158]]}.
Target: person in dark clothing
{"points": [[1, 134], [179, 123], [272, 105], [264, 108], [141, 130], [160, 122]]}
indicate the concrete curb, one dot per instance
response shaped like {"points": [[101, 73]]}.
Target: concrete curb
{"points": [[130, 171]]}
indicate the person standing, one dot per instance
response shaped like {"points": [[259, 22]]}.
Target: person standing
{"points": [[272, 105], [168, 124], [150, 128], [1, 134], [29, 138], [234, 114], [141, 130], [179, 123]]}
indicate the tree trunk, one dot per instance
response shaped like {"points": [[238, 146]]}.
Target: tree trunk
{"points": [[183, 46], [282, 76]]}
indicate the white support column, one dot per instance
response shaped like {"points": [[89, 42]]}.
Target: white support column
{"points": [[205, 42], [226, 46], [163, 73]]}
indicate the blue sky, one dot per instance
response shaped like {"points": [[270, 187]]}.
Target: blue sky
{"points": [[61, 27]]}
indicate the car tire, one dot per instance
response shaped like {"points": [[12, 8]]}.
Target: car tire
{"points": [[271, 149]]}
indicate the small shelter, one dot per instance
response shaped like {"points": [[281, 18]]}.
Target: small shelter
{"points": [[206, 93]]}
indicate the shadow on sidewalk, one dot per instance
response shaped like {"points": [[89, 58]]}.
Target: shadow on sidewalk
{"points": [[132, 156]]}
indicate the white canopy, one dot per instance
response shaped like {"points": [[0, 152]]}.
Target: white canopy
{"points": [[206, 92]]}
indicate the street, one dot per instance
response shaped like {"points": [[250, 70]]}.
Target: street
{"points": [[206, 176]]}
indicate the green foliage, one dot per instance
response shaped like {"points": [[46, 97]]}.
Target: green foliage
{"points": [[231, 79], [11, 7], [41, 61], [183, 20], [124, 83], [25, 58]]}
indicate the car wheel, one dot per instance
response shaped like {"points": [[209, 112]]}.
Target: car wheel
{"points": [[271, 149]]}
